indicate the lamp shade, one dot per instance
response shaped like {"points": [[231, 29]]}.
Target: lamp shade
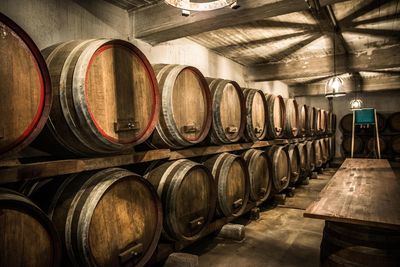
{"points": [[356, 104], [334, 87], [200, 5]]}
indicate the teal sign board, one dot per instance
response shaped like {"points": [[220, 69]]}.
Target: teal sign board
{"points": [[365, 116]]}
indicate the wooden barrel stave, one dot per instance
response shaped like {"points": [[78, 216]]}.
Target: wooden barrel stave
{"points": [[259, 172], [295, 164], [292, 128], [256, 115], [25, 89], [21, 220], [276, 116], [228, 111], [88, 119], [280, 163], [372, 146], [395, 144], [187, 212], [311, 155], [304, 120], [184, 120], [313, 113], [304, 161], [232, 181], [318, 153], [82, 207]]}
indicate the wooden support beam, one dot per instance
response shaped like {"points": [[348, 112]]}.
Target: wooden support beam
{"points": [[388, 57], [379, 83], [160, 23]]}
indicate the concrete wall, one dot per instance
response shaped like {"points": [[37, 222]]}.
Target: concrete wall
{"points": [[53, 21], [384, 102]]}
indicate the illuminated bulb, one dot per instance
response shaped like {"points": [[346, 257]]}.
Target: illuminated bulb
{"points": [[189, 5], [356, 104]]}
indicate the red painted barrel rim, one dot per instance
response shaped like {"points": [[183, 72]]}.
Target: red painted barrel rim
{"points": [[40, 118], [155, 92]]}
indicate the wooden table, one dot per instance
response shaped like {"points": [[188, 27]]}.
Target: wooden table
{"points": [[364, 192]]}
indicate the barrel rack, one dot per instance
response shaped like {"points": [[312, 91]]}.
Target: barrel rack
{"points": [[15, 171]]}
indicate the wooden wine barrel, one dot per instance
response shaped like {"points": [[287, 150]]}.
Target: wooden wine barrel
{"points": [[111, 217], [381, 122], [188, 196], [25, 88], [259, 168], [346, 123], [295, 164], [280, 167], [332, 147], [357, 245], [311, 155], [313, 120], [358, 144], [394, 122], [395, 143], [292, 128], [27, 236], [105, 101], [304, 120], [324, 149], [186, 107], [276, 115], [304, 161], [256, 115], [372, 146], [233, 183], [321, 121], [318, 153], [228, 111]]}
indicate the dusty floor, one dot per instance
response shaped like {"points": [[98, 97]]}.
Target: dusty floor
{"points": [[281, 237]]}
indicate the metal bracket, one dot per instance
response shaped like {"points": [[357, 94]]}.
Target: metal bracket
{"points": [[190, 128], [196, 222], [231, 129], [237, 203], [131, 252], [126, 125]]}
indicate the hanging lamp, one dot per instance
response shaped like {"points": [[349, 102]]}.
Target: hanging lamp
{"points": [[334, 86], [196, 5], [356, 103]]}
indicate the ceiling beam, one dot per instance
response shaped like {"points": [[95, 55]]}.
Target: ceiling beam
{"points": [[370, 60], [160, 23], [373, 84]]}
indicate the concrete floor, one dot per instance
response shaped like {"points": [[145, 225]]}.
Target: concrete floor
{"points": [[281, 237]]}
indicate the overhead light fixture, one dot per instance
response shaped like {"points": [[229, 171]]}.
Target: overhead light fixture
{"points": [[334, 86], [356, 104], [200, 5]]}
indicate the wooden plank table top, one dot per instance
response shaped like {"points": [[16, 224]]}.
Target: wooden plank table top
{"points": [[362, 191]]}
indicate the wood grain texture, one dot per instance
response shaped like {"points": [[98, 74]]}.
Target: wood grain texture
{"points": [[25, 89], [256, 115], [363, 191], [106, 98], [232, 181], [280, 164], [186, 107], [27, 236], [259, 168], [228, 111], [276, 115], [188, 196], [102, 216], [292, 126]]}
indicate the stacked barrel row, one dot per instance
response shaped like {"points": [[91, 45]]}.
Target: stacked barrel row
{"points": [[116, 217], [102, 96], [365, 136]]}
